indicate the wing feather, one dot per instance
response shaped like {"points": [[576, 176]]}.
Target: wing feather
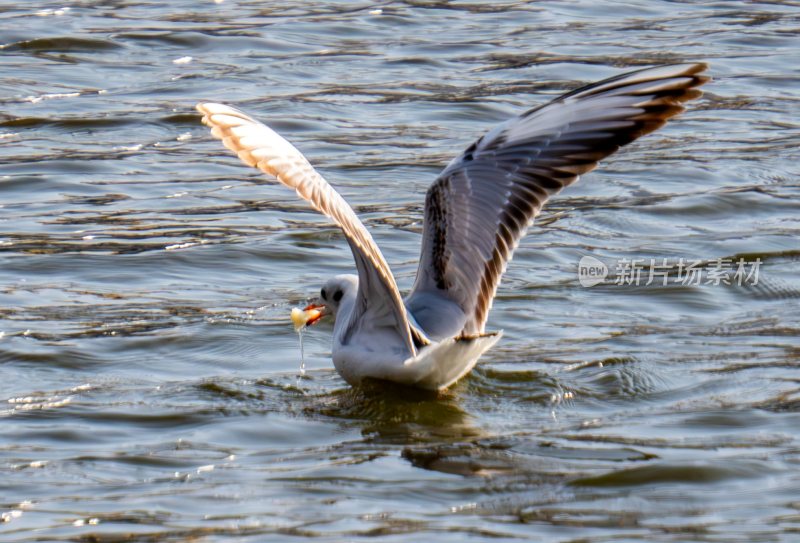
{"points": [[259, 146], [483, 202]]}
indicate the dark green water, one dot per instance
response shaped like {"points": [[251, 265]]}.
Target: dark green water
{"points": [[149, 374]]}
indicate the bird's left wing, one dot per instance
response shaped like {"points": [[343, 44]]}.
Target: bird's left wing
{"points": [[259, 146], [482, 203]]}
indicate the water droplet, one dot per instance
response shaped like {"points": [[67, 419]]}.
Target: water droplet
{"points": [[302, 353]]}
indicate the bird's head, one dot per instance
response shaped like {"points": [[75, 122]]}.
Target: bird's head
{"points": [[336, 292]]}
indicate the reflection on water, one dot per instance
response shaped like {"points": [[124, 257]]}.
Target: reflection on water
{"points": [[150, 385]]}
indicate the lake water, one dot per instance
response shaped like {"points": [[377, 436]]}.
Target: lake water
{"points": [[149, 373]]}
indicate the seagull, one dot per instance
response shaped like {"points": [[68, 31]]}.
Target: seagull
{"points": [[476, 211]]}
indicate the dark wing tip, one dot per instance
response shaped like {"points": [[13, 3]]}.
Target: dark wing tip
{"points": [[689, 71], [697, 68]]}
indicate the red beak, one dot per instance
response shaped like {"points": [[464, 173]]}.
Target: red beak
{"points": [[322, 310]]}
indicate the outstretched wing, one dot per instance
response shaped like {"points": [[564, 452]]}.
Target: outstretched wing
{"points": [[259, 146], [482, 203]]}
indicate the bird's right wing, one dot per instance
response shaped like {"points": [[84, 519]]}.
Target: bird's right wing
{"points": [[483, 202], [258, 145]]}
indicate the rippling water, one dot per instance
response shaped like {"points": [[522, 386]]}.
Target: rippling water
{"points": [[150, 380]]}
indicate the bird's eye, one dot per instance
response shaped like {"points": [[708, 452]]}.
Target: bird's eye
{"points": [[324, 295], [337, 296]]}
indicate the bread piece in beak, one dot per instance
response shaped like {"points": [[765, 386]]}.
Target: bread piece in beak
{"points": [[308, 316]]}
